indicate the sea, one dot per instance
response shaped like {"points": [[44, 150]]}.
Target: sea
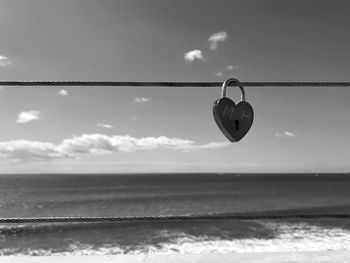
{"points": [[104, 195]]}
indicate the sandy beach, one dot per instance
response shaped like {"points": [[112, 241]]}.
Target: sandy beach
{"points": [[275, 257]]}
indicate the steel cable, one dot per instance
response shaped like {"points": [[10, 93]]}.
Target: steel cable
{"points": [[130, 219], [170, 84]]}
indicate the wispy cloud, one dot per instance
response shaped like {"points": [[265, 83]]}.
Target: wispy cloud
{"points": [[193, 55], [218, 74], [216, 38], [141, 100], [96, 144], [4, 61], [27, 116], [214, 145], [231, 67], [105, 125], [63, 92], [285, 134]]}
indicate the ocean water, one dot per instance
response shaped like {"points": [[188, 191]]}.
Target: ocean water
{"points": [[34, 195]]}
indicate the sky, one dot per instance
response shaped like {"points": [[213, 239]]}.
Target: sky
{"points": [[143, 130]]}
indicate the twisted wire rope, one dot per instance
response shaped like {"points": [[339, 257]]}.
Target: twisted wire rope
{"points": [[131, 219], [170, 84]]}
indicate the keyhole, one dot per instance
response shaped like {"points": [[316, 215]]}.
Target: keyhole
{"points": [[237, 125]]}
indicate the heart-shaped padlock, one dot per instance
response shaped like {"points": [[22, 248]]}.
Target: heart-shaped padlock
{"points": [[234, 120]]}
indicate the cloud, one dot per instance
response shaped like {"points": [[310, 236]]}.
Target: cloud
{"points": [[4, 61], [30, 150], [218, 74], [214, 145], [209, 146], [141, 100], [216, 38], [231, 67], [96, 144], [27, 116], [193, 55], [63, 92], [104, 125], [102, 144], [285, 134]]}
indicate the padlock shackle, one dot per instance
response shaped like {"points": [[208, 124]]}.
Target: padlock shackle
{"points": [[227, 82]]}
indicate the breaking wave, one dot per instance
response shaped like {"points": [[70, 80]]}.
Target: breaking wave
{"points": [[288, 237]]}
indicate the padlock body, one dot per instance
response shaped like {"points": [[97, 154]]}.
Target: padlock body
{"points": [[234, 120]]}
